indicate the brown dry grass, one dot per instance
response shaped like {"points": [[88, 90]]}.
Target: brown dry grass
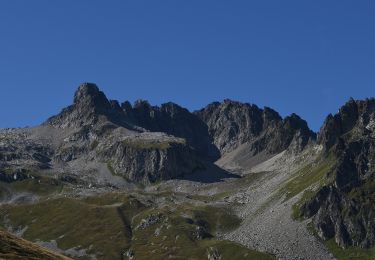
{"points": [[12, 247]]}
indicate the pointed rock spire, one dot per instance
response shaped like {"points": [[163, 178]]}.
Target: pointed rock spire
{"points": [[89, 96], [89, 103]]}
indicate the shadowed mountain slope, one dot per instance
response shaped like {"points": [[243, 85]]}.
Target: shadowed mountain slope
{"points": [[143, 143], [12, 247], [345, 208], [101, 143]]}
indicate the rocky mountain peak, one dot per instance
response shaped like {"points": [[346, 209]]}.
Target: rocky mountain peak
{"points": [[294, 121], [88, 105], [343, 209], [353, 119], [141, 104], [270, 117], [174, 120], [88, 96], [217, 129], [100, 143], [232, 123], [86, 89], [173, 109]]}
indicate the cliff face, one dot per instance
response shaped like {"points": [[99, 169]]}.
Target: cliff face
{"points": [[90, 107], [172, 119], [353, 121], [97, 130], [345, 208], [148, 158], [233, 123], [20, 155]]}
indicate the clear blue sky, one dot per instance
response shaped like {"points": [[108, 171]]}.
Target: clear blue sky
{"points": [[306, 57]]}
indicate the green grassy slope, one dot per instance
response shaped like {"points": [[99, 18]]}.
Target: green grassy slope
{"points": [[116, 224], [307, 181]]}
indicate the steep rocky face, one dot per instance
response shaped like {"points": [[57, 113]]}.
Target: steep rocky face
{"points": [[232, 123], [355, 118], [148, 158], [172, 119], [20, 154], [95, 130], [89, 107], [345, 208]]}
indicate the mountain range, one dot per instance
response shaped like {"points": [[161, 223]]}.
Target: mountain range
{"points": [[263, 167]]}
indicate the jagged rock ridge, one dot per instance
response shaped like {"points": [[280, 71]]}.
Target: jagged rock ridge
{"points": [[92, 132], [104, 142], [172, 119], [97, 130], [90, 106], [344, 209], [232, 123]]}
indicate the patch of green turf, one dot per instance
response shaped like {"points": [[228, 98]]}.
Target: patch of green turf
{"points": [[219, 218], [313, 174], [307, 180], [40, 186], [110, 168], [173, 236], [228, 188], [94, 144], [351, 253], [229, 250], [88, 223], [9, 171], [365, 193], [110, 224], [184, 249], [151, 144], [296, 208]]}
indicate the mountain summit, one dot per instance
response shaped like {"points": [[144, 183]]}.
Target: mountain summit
{"points": [[90, 105], [344, 208], [148, 143], [228, 153]]}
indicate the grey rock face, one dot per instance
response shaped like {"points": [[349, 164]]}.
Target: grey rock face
{"points": [[232, 123], [89, 104], [148, 158], [126, 138], [90, 107], [345, 209], [172, 119], [18, 152], [355, 118], [96, 130]]}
